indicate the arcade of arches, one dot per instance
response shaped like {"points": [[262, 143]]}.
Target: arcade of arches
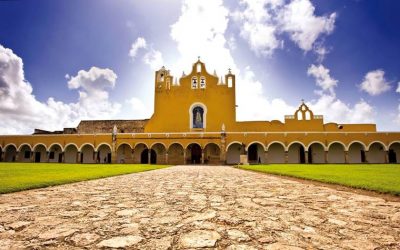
{"points": [[194, 122]]}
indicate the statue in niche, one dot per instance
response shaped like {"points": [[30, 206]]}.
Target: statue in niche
{"points": [[198, 117]]}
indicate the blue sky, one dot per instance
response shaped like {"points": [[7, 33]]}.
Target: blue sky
{"points": [[63, 61]]}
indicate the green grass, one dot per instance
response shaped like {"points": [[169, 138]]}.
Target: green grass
{"points": [[384, 178], [22, 176]]}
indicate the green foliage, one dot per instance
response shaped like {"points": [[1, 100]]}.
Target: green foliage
{"points": [[384, 178], [22, 176]]}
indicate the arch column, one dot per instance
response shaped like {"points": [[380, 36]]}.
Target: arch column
{"points": [[184, 156], [166, 157], [386, 156], [306, 157], [16, 156], [149, 156], [202, 156], [366, 156], [63, 157], [346, 156], [266, 156], [286, 156], [78, 157], [32, 156], [325, 157], [3, 154]]}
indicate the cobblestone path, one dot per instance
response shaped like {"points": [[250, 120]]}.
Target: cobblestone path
{"points": [[193, 207]]}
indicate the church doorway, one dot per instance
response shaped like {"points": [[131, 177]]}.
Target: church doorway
{"points": [[144, 157], [195, 153], [253, 153]]}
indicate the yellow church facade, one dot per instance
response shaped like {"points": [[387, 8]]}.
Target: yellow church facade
{"points": [[194, 122]]}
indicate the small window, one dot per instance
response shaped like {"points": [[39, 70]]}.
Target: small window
{"points": [[194, 83], [202, 82], [27, 154], [162, 77], [198, 68], [51, 155], [230, 82]]}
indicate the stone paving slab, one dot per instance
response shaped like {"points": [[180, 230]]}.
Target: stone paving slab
{"points": [[188, 207]]}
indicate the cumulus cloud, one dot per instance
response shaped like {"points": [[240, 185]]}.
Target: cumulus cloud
{"points": [[334, 109], [375, 83], [263, 24], [139, 109], [322, 77], [152, 57], [20, 111], [398, 87], [138, 44]]}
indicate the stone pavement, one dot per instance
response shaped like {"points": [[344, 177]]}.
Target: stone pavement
{"points": [[194, 207]]}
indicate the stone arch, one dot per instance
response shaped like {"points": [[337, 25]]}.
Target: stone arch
{"points": [[194, 153], [356, 152], [175, 153], [253, 142], [87, 153], [10, 151], [71, 153], [40, 153], [276, 152], [256, 152], [160, 150], [124, 153], [84, 144], [394, 152], [103, 153], [233, 152], [55, 153], [316, 152], [382, 144], [296, 153], [138, 150], [279, 142], [212, 153], [336, 152], [24, 153], [376, 152]]}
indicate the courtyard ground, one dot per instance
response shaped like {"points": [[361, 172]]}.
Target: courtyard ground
{"points": [[197, 206]]}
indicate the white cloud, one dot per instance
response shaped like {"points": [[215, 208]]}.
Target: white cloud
{"points": [[298, 19], [154, 59], [20, 112], [398, 116], [322, 77], [139, 109], [138, 44], [398, 87], [264, 22], [375, 83]]}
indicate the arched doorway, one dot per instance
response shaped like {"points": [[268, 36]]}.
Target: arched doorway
{"points": [[394, 153], [336, 153], [376, 153], [175, 154], [194, 151], [276, 153], [296, 153], [103, 154], [138, 151], [233, 153], [212, 154], [316, 153], [87, 154], [10, 153], [124, 153], [144, 157], [55, 153], [40, 153], [255, 153], [356, 153], [160, 151], [25, 153], [70, 153]]}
